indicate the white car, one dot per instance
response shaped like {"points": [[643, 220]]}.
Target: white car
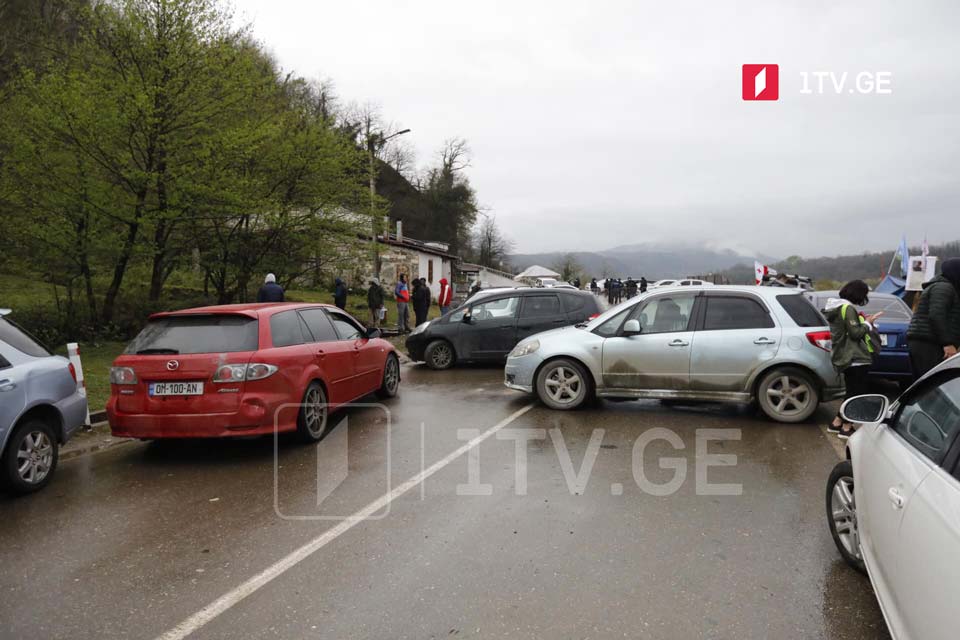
{"points": [[894, 505]]}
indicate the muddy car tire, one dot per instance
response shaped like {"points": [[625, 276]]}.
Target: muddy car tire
{"points": [[30, 458], [391, 378], [787, 394], [564, 384], [312, 419], [842, 515], [440, 355]]}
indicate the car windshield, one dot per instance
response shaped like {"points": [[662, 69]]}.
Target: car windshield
{"points": [[196, 334], [893, 308]]}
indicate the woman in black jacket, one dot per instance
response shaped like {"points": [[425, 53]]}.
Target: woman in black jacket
{"points": [[421, 300], [934, 332]]}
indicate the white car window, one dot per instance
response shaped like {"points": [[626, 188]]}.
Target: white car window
{"points": [[930, 418], [495, 309], [665, 314]]}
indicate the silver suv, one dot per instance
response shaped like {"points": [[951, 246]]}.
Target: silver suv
{"points": [[40, 408], [716, 343]]}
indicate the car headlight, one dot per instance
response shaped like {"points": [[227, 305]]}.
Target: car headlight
{"points": [[525, 348], [420, 328]]}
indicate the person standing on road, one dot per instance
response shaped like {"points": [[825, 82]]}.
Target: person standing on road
{"points": [[375, 302], [608, 285], [853, 348], [476, 288], [934, 332], [594, 287], [576, 282], [421, 300], [340, 293], [643, 284], [445, 297], [631, 286], [270, 291], [618, 290], [402, 294]]}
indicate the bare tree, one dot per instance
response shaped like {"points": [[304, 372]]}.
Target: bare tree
{"points": [[491, 246]]}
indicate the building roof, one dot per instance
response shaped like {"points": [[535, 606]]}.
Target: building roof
{"points": [[536, 271], [436, 248]]}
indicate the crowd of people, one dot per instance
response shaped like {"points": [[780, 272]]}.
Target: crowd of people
{"points": [[617, 290]]}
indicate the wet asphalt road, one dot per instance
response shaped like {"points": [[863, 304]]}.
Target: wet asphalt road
{"points": [[131, 541]]}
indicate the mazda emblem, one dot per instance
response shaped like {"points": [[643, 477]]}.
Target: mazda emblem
{"points": [[173, 365]]}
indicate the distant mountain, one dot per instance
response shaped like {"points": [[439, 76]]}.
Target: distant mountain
{"points": [[654, 261]]}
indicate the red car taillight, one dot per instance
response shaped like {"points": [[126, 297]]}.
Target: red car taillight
{"points": [[73, 372], [241, 372], [123, 375], [596, 315], [821, 340]]}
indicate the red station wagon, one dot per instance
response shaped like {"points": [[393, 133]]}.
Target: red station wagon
{"points": [[229, 370]]}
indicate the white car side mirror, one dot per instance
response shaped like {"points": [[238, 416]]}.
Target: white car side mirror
{"points": [[631, 327], [868, 409]]}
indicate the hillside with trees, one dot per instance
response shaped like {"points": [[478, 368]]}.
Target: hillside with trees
{"points": [[153, 155]]}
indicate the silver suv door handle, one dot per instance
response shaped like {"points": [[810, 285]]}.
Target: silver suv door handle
{"points": [[764, 341], [895, 498], [678, 343], [7, 385]]}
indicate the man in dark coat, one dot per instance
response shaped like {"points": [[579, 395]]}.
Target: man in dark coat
{"points": [[340, 294], [421, 300], [934, 332], [631, 287], [643, 284], [375, 302], [270, 291]]}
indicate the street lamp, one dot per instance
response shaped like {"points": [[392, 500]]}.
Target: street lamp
{"points": [[375, 140]]}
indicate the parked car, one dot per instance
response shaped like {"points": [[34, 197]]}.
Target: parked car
{"points": [[229, 371], [717, 343], [662, 283], [491, 323], [41, 406], [893, 506], [894, 361]]}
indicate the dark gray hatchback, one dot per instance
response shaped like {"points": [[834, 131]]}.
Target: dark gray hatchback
{"points": [[488, 325]]}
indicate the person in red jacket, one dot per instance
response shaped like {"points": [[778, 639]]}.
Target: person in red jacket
{"points": [[402, 294], [445, 297]]}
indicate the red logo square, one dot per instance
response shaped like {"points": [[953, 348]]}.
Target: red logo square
{"points": [[761, 81]]}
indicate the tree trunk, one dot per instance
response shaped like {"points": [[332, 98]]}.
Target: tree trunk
{"points": [[120, 268]]}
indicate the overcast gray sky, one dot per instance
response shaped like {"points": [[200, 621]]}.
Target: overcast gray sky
{"points": [[596, 124]]}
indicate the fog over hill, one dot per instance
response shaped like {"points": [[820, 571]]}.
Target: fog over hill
{"points": [[654, 261]]}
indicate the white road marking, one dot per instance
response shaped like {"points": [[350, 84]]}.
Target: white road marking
{"points": [[229, 599]]}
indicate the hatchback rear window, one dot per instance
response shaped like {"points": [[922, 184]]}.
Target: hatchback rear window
{"points": [[21, 340], [801, 310], [197, 334]]}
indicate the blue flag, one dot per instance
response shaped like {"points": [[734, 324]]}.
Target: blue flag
{"points": [[904, 256]]}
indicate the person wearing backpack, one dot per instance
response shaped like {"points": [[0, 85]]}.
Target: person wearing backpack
{"points": [[855, 344]]}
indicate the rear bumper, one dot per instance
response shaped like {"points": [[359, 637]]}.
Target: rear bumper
{"points": [[253, 418], [893, 365], [73, 409]]}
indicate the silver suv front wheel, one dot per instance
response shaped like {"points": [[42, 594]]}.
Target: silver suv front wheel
{"points": [[563, 384]]}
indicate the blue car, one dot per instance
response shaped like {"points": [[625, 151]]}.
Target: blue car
{"points": [[894, 362], [41, 406]]}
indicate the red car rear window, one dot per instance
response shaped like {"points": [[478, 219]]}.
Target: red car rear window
{"points": [[196, 334]]}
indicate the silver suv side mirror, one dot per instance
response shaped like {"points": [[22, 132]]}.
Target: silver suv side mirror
{"points": [[868, 409], [631, 327]]}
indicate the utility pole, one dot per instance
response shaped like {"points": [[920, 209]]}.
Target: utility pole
{"points": [[375, 141]]}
